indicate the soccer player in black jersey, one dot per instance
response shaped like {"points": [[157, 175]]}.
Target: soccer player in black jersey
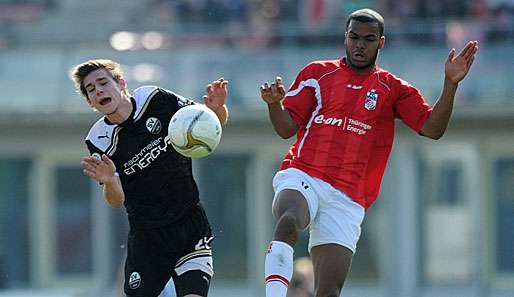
{"points": [[132, 158]]}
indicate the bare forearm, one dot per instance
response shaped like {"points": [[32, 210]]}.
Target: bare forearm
{"points": [[282, 122], [437, 122], [455, 70], [113, 193], [222, 113]]}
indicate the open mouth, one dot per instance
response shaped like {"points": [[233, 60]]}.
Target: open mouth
{"points": [[359, 56], [105, 100]]}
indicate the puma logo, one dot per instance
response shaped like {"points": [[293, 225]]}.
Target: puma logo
{"points": [[104, 136]]}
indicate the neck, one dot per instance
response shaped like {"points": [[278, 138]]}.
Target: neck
{"points": [[360, 70], [122, 113], [363, 70]]}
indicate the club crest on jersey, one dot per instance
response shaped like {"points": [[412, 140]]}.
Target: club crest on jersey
{"points": [[371, 100], [153, 125]]}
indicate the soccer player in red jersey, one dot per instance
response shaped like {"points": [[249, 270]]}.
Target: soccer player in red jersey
{"points": [[343, 113]]}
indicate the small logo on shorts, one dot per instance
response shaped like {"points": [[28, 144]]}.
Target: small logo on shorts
{"points": [[134, 280], [204, 243]]}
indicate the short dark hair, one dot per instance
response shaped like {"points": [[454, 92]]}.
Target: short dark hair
{"points": [[367, 15]]}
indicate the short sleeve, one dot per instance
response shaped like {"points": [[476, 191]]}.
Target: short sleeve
{"points": [[300, 99], [410, 106], [93, 150], [181, 101]]}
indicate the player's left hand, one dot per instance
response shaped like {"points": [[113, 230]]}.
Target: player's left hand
{"points": [[216, 94], [456, 68], [102, 170]]}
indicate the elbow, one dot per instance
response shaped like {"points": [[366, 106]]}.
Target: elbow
{"points": [[286, 134], [434, 135], [433, 132], [115, 204], [286, 131]]}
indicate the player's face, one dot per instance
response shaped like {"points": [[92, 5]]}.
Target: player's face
{"points": [[103, 92], [362, 41]]}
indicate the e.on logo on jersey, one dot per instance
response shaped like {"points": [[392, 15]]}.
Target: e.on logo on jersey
{"points": [[348, 124], [328, 121]]}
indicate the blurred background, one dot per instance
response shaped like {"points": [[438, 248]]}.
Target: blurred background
{"points": [[442, 226]]}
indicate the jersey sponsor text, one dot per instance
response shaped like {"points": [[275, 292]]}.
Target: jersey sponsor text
{"points": [[146, 156]]}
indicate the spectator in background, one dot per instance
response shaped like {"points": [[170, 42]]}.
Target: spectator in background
{"points": [[302, 282], [262, 24]]}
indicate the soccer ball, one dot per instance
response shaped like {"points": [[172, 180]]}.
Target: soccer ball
{"points": [[194, 131]]}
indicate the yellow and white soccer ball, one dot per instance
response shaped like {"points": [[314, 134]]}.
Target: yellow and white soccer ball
{"points": [[194, 131]]}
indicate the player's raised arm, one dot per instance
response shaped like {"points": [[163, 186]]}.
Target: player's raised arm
{"points": [[215, 99], [282, 121], [455, 70]]}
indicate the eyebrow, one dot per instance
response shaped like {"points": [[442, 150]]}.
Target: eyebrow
{"points": [[98, 80], [367, 35]]}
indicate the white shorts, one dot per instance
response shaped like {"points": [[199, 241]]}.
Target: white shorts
{"points": [[334, 217]]}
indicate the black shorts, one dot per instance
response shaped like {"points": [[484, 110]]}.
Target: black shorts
{"points": [[180, 251]]}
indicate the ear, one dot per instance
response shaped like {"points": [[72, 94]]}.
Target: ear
{"points": [[123, 84], [381, 42]]}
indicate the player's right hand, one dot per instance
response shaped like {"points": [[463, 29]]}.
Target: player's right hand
{"points": [[273, 93], [103, 170]]}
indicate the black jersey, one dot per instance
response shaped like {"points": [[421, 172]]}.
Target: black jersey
{"points": [[157, 181]]}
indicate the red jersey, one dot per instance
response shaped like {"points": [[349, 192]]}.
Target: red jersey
{"points": [[346, 124]]}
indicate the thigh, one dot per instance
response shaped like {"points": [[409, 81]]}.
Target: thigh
{"points": [[193, 270], [192, 283], [292, 202], [294, 193], [147, 268], [331, 264], [338, 221]]}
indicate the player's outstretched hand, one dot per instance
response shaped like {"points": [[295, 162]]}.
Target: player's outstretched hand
{"points": [[456, 68], [103, 171], [216, 94], [273, 93]]}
